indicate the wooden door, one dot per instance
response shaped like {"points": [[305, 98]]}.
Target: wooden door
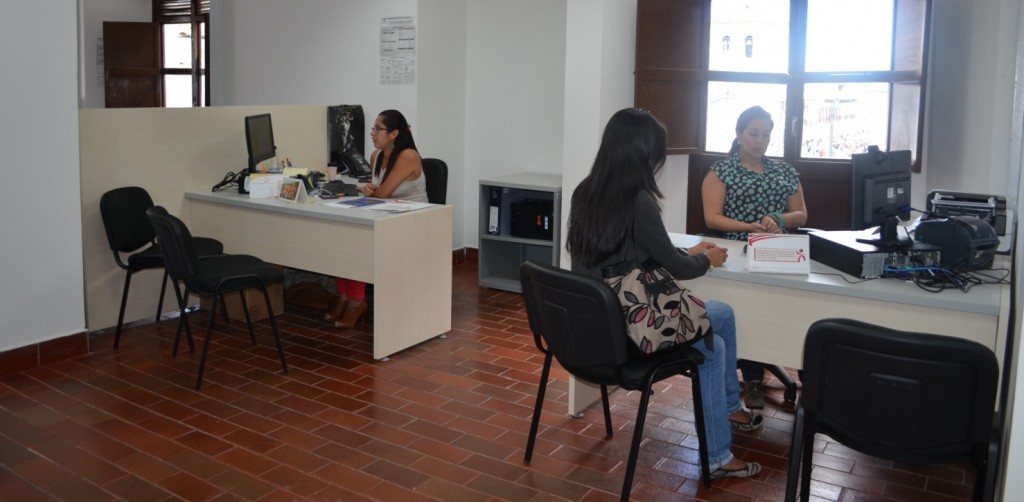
{"points": [[131, 65]]}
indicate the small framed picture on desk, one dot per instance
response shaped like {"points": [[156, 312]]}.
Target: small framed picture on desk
{"points": [[290, 188]]}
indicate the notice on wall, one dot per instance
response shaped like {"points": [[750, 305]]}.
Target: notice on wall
{"points": [[398, 50]]}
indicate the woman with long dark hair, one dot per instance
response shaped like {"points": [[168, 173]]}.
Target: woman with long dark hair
{"points": [[397, 166], [615, 217]]}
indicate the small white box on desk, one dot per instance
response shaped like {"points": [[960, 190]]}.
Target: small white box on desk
{"points": [[265, 186], [778, 253]]}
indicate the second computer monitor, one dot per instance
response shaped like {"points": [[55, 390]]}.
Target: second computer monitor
{"points": [[881, 187]]}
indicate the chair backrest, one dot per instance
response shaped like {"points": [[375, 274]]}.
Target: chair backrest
{"points": [[903, 396], [124, 218], [579, 318], [176, 246], [436, 171]]}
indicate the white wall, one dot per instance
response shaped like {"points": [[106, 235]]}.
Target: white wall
{"points": [[600, 44], [516, 65], [970, 91], [441, 92], [42, 294], [304, 52]]}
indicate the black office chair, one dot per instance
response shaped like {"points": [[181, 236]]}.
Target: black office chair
{"points": [[212, 276], [578, 320], [128, 230], [903, 396], [436, 171]]}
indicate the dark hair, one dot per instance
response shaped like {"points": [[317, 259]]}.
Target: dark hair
{"points": [[746, 117], [394, 121], [632, 152]]}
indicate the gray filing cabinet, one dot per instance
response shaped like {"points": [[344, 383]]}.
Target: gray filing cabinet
{"points": [[514, 226]]}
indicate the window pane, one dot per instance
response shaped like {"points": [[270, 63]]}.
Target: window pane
{"points": [[202, 45], [849, 35], [177, 91], [726, 100], [749, 35], [840, 119], [177, 45], [202, 90]]}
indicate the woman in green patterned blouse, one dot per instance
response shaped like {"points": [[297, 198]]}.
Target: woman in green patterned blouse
{"points": [[748, 192]]}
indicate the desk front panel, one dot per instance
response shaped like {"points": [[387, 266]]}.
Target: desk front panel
{"points": [[317, 245], [771, 322], [407, 257]]}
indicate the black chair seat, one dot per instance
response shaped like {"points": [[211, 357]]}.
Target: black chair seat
{"points": [[634, 373], [579, 321], [232, 272]]}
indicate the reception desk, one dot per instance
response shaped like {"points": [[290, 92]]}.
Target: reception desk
{"points": [[406, 256], [773, 311]]}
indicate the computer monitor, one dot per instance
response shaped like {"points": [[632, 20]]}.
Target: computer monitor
{"points": [[259, 139], [881, 187]]}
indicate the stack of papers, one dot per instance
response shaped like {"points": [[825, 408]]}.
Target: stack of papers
{"points": [[381, 205], [360, 202]]}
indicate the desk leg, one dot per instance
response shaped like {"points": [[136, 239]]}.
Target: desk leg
{"points": [[582, 395]]}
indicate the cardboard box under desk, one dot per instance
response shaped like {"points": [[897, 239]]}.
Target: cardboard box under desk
{"points": [[253, 299]]}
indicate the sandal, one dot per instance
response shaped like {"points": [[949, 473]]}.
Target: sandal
{"points": [[749, 470], [752, 423], [335, 312]]}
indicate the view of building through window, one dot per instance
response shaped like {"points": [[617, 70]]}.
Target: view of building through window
{"points": [[178, 56], [839, 118]]}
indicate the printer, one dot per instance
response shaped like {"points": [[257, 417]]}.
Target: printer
{"points": [[967, 242], [991, 208]]}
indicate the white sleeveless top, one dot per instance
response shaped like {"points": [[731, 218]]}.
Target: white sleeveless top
{"points": [[413, 191]]}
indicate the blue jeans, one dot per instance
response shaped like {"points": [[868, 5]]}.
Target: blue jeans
{"points": [[719, 385]]}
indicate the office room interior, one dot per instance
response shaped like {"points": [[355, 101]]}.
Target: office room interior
{"points": [[501, 87]]}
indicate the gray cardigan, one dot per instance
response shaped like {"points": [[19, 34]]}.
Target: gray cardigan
{"points": [[652, 241]]}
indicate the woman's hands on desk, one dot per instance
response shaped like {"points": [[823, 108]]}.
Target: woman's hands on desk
{"points": [[716, 254], [368, 189]]}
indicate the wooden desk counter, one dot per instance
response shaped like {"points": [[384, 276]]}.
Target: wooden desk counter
{"points": [[406, 256]]}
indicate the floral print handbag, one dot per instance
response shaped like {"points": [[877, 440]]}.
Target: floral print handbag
{"points": [[660, 312]]}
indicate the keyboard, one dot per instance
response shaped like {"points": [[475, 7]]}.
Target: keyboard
{"points": [[338, 187]]}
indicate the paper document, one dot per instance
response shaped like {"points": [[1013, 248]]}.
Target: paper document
{"points": [[778, 253], [264, 186], [397, 206], [359, 202]]}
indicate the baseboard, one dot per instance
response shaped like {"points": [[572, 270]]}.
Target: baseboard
{"points": [[38, 354]]}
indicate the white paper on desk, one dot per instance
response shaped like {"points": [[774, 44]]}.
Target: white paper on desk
{"points": [[396, 206], [265, 186], [778, 253]]}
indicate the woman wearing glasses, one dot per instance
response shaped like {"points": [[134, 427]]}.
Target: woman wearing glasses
{"points": [[397, 174], [397, 170]]}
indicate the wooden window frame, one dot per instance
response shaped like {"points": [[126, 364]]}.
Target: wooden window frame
{"points": [[196, 13], [672, 75]]}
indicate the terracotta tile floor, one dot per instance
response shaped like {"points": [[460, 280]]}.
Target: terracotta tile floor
{"points": [[446, 420]]}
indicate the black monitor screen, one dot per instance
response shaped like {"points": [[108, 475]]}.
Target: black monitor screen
{"points": [[881, 187], [259, 139]]}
